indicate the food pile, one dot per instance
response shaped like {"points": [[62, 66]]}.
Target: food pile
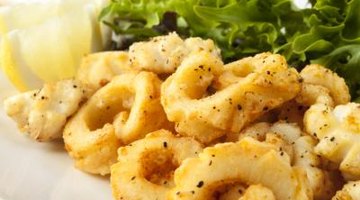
{"points": [[169, 120]]}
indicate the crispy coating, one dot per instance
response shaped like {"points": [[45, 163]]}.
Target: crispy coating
{"points": [[144, 112], [161, 55], [311, 94], [124, 110], [258, 192], [145, 167], [339, 133], [350, 191], [97, 69], [42, 114], [164, 54], [247, 161], [207, 116], [288, 138], [318, 75]]}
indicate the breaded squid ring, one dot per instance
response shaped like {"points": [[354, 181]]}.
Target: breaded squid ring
{"points": [[207, 116], [318, 75], [124, 110], [145, 167], [43, 113], [322, 88], [97, 69], [163, 54], [288, 138], [247, 161], [338, 131]]}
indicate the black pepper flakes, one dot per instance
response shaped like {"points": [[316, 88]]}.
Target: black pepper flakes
{"points": [[200, 184], [165, 144], [239, 107], [133, 178], [210, 163], [332, 139]]}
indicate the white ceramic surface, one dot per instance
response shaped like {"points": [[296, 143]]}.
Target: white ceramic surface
{"points": [[40, 171]]}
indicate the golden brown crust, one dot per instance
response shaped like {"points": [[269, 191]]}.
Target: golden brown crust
{"points": [[116, 114], [208, 116], [145, 167]]}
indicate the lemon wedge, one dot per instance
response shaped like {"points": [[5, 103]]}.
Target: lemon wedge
{"points": [[44, 42]]}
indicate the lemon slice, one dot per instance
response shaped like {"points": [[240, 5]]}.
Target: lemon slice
{"points": [[45, 45], [17, 16], [13, 64]]}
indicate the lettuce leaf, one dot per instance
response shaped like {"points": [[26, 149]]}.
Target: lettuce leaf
{"points": [[327, 33]]}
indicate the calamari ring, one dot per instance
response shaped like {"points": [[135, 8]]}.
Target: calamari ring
{"points": [[43, 113], [288, 137], [338, 131], [318, 75], [311, 94], [145, 167], [207, 116], [247, 161], [124, 110], [97, 69], [350, 191], [163, 54]]}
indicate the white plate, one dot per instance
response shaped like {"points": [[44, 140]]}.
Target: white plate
{"points": [[40, 171]]}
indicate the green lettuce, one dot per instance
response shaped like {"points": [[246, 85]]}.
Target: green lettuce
{"points": [[327, 33]]}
